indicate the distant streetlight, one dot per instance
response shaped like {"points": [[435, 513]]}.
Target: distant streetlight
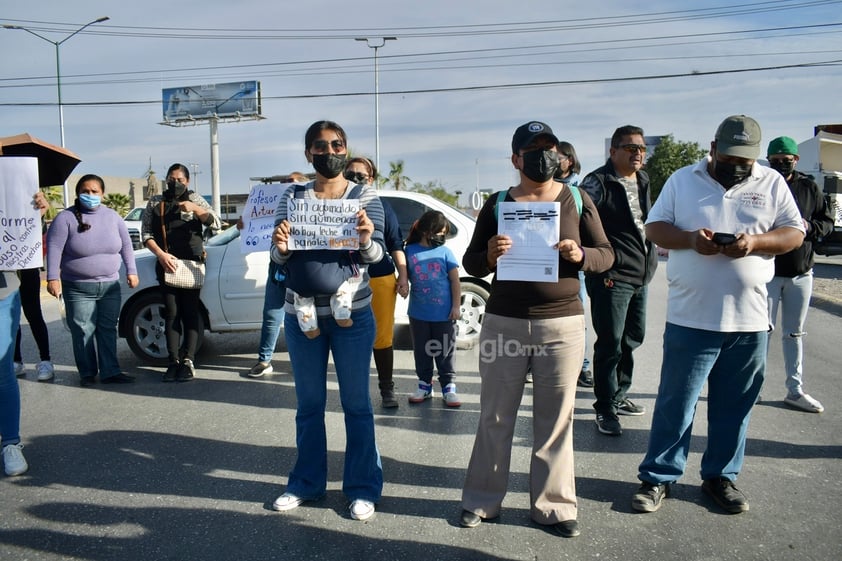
{"points": [[58, 78], [380, 42], [194, 178]]}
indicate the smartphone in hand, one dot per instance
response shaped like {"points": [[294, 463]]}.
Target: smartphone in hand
{"points": [[722, 238]]}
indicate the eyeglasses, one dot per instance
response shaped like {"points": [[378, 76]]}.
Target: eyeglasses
{"points": [[357, 176], [322, 145], [634, 148]]}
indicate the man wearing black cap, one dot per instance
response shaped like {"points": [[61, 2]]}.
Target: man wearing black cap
{"points": [[620, 191], [723, 220], [537, 325], [793, 282]]}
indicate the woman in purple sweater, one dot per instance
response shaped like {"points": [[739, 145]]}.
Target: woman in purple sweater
{"points": [[86, 244]]}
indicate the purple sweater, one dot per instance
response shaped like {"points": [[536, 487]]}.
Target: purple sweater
{"points": [[93, 255]]}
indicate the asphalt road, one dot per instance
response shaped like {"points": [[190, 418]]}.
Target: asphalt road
{"points": [[188, 471]]}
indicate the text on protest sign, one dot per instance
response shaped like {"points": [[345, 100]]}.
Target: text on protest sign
{"points": [[323, 223]]}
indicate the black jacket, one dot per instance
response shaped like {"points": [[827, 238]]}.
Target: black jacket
{"points": [[635, 258], [813, 207]]}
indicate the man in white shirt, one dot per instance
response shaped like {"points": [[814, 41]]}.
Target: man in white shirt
{"points": [[723, 220]]}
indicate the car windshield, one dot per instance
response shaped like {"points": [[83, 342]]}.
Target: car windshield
{"points": [[135, 214]]}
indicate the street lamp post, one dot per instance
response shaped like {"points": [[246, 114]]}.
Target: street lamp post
{"points": [[57, 44], [380, 42]]}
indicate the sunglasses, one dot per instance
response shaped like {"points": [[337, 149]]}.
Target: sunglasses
{"points": [[356, 176], [322, 145], [634, 148]]}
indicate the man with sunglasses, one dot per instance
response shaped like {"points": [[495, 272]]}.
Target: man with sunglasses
{"points": [[620, 191]]}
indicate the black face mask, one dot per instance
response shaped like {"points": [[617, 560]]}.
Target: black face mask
{"points": [[728, 174], [356, 177], [784, 168], [329, 165], [540, 165], [437, 240], [177, 188]]}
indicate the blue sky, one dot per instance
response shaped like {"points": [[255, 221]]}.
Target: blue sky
{"points": [[449, 95]]}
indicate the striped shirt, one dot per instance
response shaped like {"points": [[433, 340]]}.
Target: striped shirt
{"points": [[372, 254]]}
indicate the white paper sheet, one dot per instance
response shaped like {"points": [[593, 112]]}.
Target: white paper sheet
{"points": [[533, 228], [21, 246], [259, 217]]}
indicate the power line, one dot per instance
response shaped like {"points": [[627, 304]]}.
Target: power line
{"points": [[465, 30], [519, 85], [398, 59]]}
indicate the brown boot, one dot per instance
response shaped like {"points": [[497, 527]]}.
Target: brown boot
{"points": [[384, 360]]}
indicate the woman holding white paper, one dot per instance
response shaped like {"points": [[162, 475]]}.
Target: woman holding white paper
{"points": [[532, 325], [325, 146]]}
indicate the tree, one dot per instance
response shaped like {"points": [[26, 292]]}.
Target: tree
{"points": [[669, 156], [437, 190], [55, 198], [396, 177], [118, 202]]}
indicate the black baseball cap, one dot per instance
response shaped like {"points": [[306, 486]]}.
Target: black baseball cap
{"points": [[525, 134]]}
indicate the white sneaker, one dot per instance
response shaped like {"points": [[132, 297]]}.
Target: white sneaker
{"points": [[287, 501], [361, 509], [20, 370], [424, 391], [45, 370], [450, 397], [804, 402], [13, 459]]}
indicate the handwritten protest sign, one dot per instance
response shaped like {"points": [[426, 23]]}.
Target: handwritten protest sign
{"points": [[259, 217], [20, 221], [323, 223]]}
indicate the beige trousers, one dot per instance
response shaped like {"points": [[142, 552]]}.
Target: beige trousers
{"points": [[554, 348]]}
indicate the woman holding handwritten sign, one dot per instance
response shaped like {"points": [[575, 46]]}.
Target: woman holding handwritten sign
{"points": [[318, 273]]}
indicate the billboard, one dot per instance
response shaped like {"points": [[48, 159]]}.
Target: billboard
{"points": [[233, 99]]}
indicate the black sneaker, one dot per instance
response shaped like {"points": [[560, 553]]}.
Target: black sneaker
{"points": [[628, 407], [609, 424], [726, 494], [649, 496], [186, 371], [585, 379], [170, 374], [567, 528], [389, 399]]}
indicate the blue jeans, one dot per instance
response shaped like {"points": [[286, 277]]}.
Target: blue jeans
{"points": [[9, 390], [583, 297], [618, 315], [351, 348], [92, 312], [794, 296], [733, 364], [273, 318]]}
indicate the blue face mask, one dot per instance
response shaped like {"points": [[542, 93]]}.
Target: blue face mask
{"points": [[90, 201]]}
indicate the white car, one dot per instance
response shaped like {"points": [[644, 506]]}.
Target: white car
{"points": [[133, 223], [232, 296]]}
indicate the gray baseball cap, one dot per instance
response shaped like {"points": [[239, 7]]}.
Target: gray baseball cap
{"points": [[739, 136]]}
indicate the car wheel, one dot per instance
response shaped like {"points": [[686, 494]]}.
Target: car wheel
{"points": [[471, 312], [147, 337]]}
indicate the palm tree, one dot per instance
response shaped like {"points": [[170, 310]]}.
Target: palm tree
{"points": [[55, 198], [396, 176], [118, 202]]}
